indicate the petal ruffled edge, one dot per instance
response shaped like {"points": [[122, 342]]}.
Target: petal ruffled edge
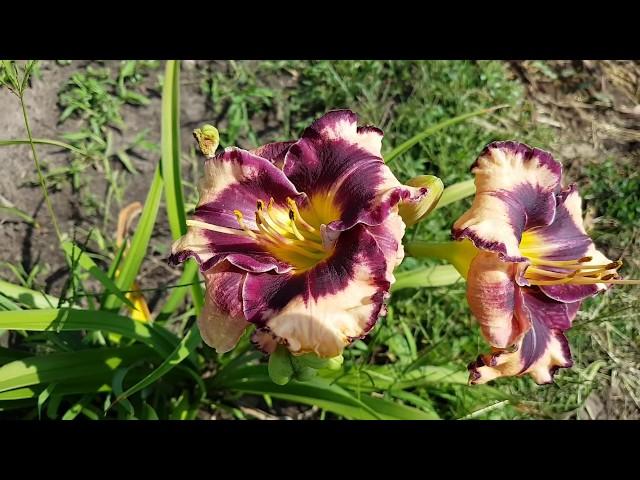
{"points": [[541, 351], [515, 191]]}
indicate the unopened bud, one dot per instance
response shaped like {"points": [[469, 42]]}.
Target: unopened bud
{"points": [[414, 211], [208, 139]]}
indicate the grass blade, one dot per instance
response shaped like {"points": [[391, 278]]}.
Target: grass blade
{"points": [[403, 147], [171, 149]]}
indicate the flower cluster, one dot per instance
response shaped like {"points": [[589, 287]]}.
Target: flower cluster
{"points": [[300, 239]]}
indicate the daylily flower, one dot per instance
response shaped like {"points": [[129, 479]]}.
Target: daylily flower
{"points": [[299, 238], [528, 262]]}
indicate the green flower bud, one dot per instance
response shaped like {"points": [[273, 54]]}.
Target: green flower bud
{"points": [[413, 212], [208, 139], [280, 366]]}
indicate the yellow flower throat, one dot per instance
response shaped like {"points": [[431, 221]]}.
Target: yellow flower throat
{"points": [[290, 235]]}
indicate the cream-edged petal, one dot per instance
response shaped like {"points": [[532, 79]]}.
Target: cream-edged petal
{"points": [[222, 321], [515, 191]]}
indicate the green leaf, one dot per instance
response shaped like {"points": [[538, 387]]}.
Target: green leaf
{"points": [[171, 168], [31, 298], [171, 149], [68, 366], [280, 366], [43, 397], [72, 320], [182, 351], [9, 355], [86, 262], [403, 147], [318, 391], [389, 410]]}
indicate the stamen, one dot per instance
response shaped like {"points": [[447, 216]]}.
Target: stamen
{"points": [[266, 218], [219, 229], [240, 217], [293, 206], [288, 244], [292, 218], [561, 263]]}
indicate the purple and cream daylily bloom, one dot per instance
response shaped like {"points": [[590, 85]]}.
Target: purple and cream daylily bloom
{"points": [[531, 262], [298, 238]]}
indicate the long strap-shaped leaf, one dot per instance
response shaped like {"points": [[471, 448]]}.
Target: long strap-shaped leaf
{"points": [[403, 147], [171, 149], [318, 391], [188, 344], [72, 320], [67, 367], [31, 298]]}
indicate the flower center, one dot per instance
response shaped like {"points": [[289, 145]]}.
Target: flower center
{"points": [[579, 271]]}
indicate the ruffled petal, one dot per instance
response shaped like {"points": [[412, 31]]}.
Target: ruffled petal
{"points": [[338, 163], [323, 309], [541, 351], [491, 293], [515, 191], [222, 321], [234, 181], [274, 152]]}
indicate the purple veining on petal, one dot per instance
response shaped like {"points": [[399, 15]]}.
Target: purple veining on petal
{"points": [[569, 293], [479, 242], [331, 160], [235, 180]]}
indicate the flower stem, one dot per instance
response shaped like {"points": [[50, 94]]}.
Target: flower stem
{"points": [[43, 183], [421, 249], [459, 254]]}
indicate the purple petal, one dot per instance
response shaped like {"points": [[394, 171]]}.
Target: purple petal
{"points": [[274, 152], [222, 321]]}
